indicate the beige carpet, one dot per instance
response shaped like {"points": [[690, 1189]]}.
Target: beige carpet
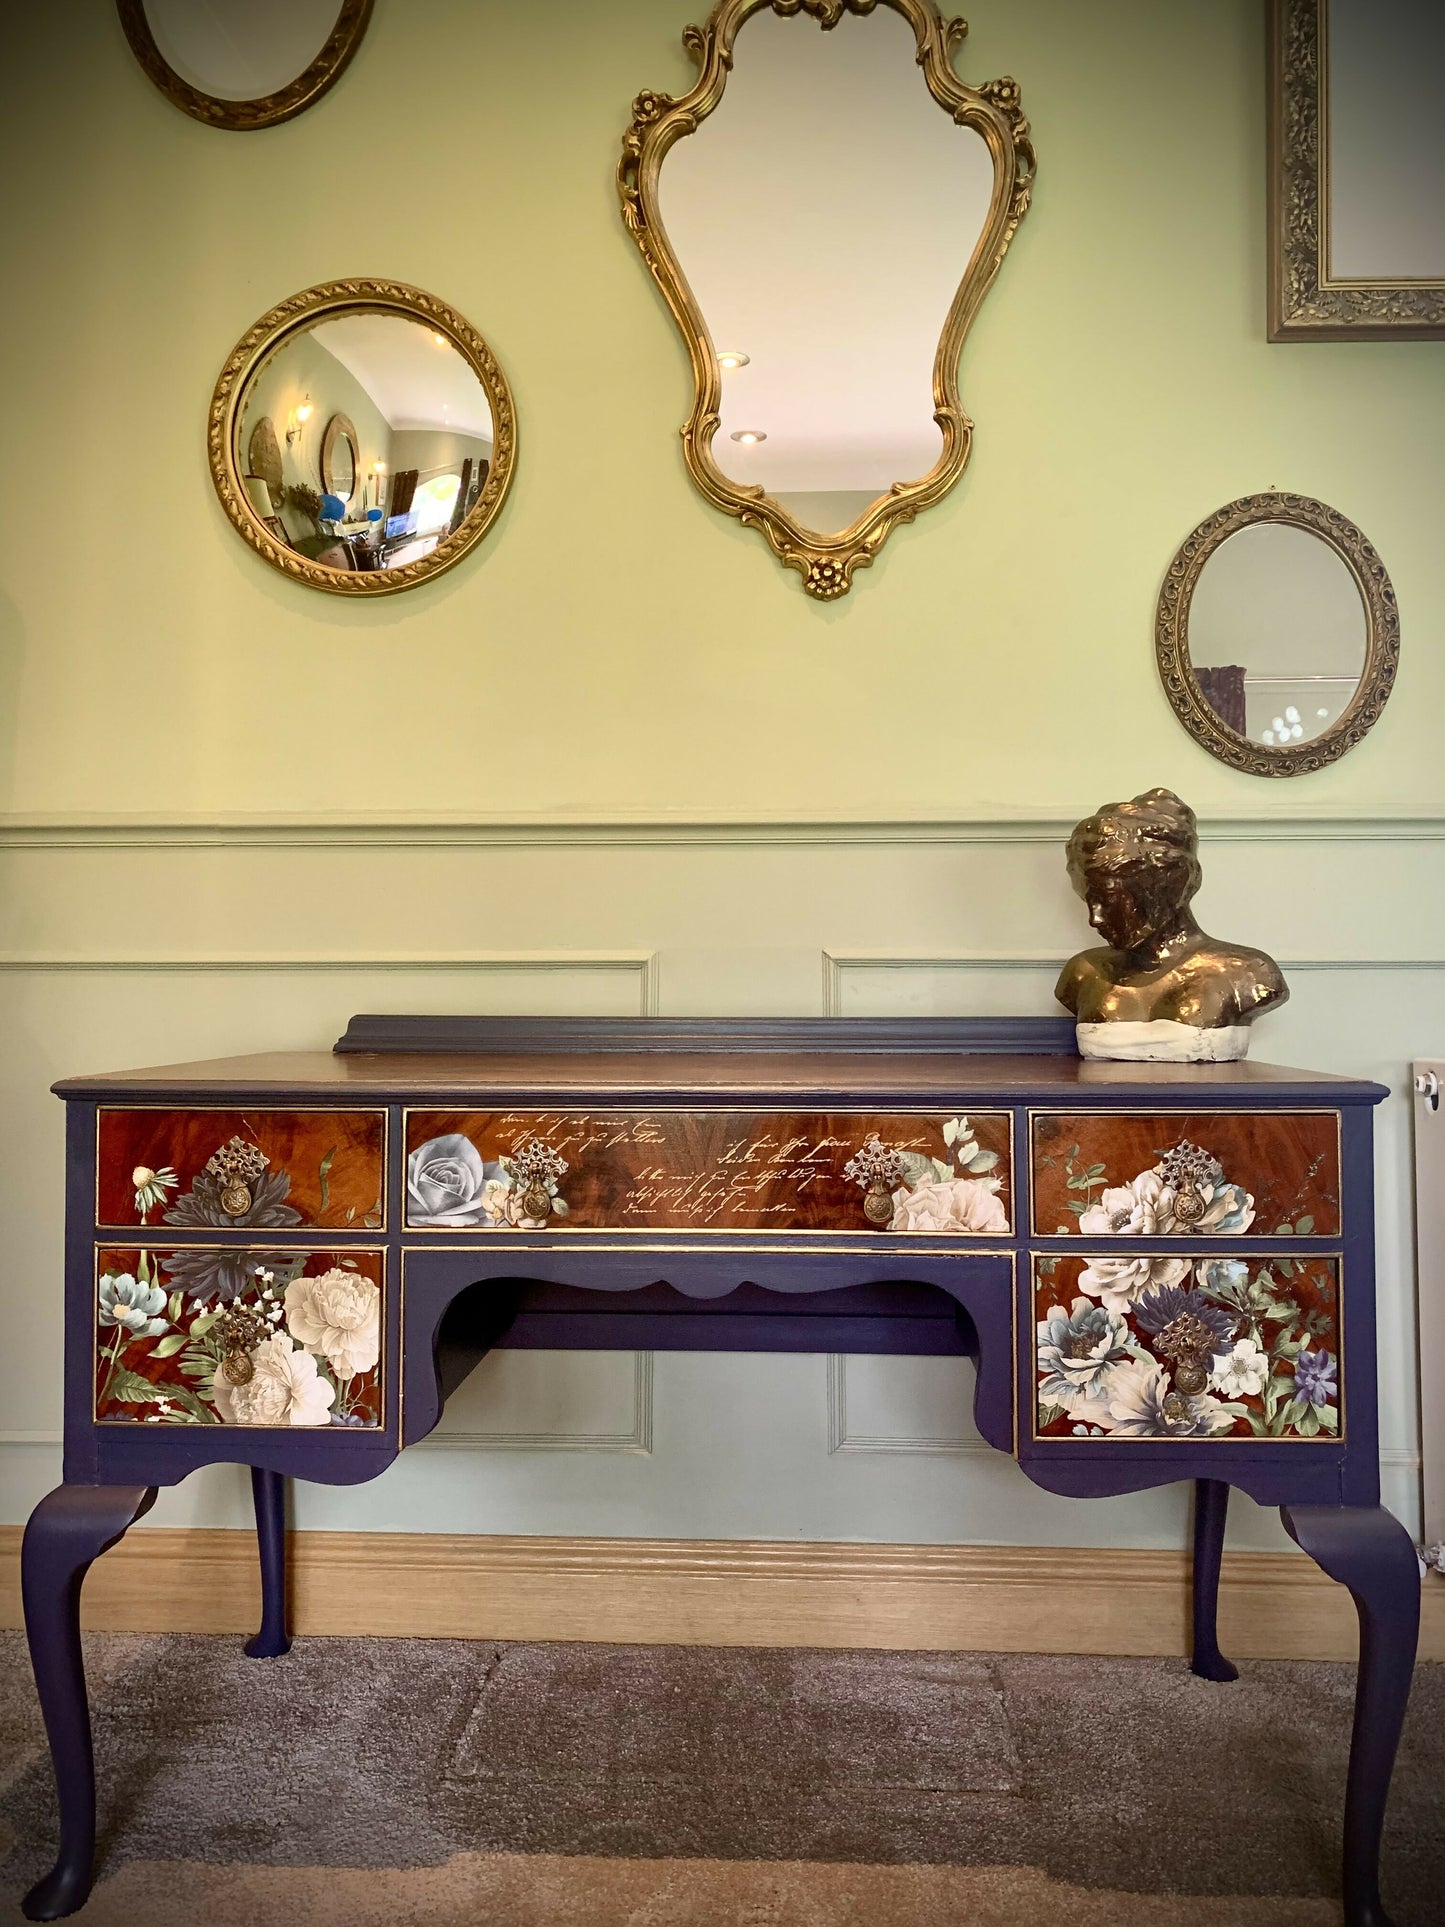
{"points": [[448, 1782], [543, 1890]]}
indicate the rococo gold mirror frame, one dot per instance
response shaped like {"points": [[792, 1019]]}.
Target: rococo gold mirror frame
{"points": [[994, 111], [1382, 636], [244, 116], [293, 317]]}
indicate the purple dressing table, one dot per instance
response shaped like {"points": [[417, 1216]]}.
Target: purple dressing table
{"points": [[1161, 1272]]}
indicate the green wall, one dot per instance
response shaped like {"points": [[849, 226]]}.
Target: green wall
{"points": [[639, 769]]}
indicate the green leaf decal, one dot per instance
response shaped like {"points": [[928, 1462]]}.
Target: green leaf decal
{"points": [[170, 1345], [326, 1181]]}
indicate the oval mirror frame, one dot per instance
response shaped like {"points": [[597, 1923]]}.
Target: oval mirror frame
{"points": [[244, 116], [301, 312], [1382, 636], [340, 428], [994, 110]]}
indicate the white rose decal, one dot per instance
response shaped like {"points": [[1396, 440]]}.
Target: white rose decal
{"points": [[448, 1184], [957, 1204], [338, 1317], [285, 1388]]}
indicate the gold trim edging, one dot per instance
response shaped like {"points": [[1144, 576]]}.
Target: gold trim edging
{"points": [[1177, 1110], [381, 1430]]}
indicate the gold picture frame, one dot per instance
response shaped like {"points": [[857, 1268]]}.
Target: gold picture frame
{"points": [[262, 340], [1382, 636], [245, 116], [1308, 300], [994, 110]]}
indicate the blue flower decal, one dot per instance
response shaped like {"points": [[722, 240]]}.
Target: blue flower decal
{"points": [[136, 1307]]}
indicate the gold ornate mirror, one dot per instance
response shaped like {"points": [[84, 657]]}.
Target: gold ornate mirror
{"points": [[1277, 635], [340, 458], [824, 212], [395, 404], [244, 64]]}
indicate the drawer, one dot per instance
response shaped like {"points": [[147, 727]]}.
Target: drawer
{"points": [[190, 1335], [1187, 1348], [711, 1170], [200, 1171], [1198, 1174]]}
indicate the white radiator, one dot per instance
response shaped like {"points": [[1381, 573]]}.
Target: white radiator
{"points": [[1430, 1270]]}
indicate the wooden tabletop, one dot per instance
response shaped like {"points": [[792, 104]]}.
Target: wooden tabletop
{"points": [[552, 1077]]}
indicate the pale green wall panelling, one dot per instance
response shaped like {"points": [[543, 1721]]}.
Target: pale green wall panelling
{"points": [[616, 650]]}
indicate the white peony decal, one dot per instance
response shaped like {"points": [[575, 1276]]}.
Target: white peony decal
{"points": [[338, 1317], [959, 1204], [285, 1388]]}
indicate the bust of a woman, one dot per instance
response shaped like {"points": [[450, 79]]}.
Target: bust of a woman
{"points": [[1158, 987]]}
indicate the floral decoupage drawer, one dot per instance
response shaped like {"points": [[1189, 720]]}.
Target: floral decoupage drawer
{"points": [[1187, 1174], [204, 1171], [236, 1337], [1187, 1348], [715, 1170]]}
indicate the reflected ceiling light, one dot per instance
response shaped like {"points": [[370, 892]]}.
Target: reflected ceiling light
{"points": [[440, 340], [732, 358], [749, 435]]}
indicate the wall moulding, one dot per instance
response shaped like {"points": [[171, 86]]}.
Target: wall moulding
{"points": [[79, 832], [637, 1439], [642, 964], [836, 964]]}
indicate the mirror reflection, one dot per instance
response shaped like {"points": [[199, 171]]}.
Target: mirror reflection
{"points": [[363, 440], [240, 49], [1278, 634], [824, 214]]}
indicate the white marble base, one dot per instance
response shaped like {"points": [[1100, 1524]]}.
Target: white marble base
{"points": [[1163, 1041]]}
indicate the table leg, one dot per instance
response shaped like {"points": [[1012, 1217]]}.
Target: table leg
{"points": [[268, 1489], [69, 1529], [1211, 1507], [1368, 1550]]}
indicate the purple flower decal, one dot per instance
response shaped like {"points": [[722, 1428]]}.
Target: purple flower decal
{"points": [[1314, 1378], [1187, 1318]]}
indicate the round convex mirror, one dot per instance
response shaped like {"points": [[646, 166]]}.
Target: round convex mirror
{"points": [[1277, 635], [395, 432], [244, 64]]}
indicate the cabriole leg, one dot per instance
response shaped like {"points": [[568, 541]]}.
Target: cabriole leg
{"points": [[1211, 1507], [69, 1529], [268, 1489], [1368, 1550]]}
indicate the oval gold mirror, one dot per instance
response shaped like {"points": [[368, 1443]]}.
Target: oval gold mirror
{"points": [[340, 458], [244, 64], [394, 404], [1277, 635], [824, 212]]}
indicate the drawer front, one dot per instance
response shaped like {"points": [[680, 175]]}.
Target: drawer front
{"points": [[1187, 1348], [200, 1171], [1197, 1174], [226, 1336], [711, 1170]]}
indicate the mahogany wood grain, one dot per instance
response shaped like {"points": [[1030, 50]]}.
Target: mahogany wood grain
{"points": [[1289, 1162]]}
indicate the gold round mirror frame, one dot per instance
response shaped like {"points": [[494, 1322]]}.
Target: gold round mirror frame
{"points": [[294, 317], [1382, 635], [244, 116], [993, 110]]}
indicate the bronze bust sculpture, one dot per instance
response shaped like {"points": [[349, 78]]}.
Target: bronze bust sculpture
{"points": [[1159, 987]]}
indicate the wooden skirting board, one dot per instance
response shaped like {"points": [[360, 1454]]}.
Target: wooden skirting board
{"points": [[719, 1593]]}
